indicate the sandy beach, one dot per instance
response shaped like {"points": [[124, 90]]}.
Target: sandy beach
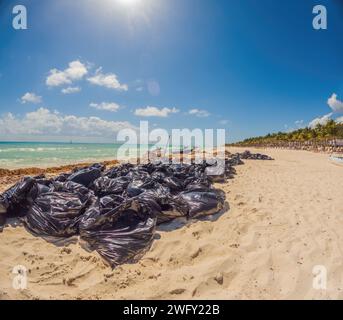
{"points": [[284, 218]]}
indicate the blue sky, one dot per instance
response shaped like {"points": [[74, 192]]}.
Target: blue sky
{"points": [[248, 66]]}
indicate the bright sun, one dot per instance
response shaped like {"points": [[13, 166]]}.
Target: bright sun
{"points": [[129, 2]]}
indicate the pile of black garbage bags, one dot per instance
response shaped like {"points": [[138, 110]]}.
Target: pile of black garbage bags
{"points": [[247, 155], [116, 211]]}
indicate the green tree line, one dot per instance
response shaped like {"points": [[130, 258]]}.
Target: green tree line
{"points": [[329, 131]]}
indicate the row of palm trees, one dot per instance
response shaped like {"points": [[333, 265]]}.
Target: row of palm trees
{"points": [[321, 134]]}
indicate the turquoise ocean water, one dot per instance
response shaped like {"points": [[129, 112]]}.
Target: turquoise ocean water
{"points": [[38, 154]]}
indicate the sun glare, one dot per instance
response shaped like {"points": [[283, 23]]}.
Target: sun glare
{"points": [[129, 2]]}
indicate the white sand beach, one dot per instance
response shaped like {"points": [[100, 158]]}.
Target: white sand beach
{"points": [[284, 218]]}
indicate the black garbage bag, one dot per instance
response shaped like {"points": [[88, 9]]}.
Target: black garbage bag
{"points": [[2, 221], [125, 241], [162, 204], [104, 212], [86, 176], [247, 155], [119, 171], [198, 181], [135, 174], [235, 160], [202, 182], [139, 185], [62, 177], [230, 171], [37, 189], [172, 209], [217, 172], [173, 183], [13, 202], [70, 186], [158, 176], [149, 167], [105, 186], [202, 202], [120, 229], [181, 170], [147, 205], [57, 213]]}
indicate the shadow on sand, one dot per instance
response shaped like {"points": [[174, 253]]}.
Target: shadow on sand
{"points": [[182, 222], [165, 227]]}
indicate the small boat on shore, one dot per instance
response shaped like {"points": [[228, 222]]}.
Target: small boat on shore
{"points": [[336, 159]]}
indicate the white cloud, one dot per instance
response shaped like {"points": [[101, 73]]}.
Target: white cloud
{"points": [[71, 90], [337, 107], [335, 104], [31, 97], [107, 106], [155, 112], [76, 71], [108, 80], [199, 113], [299, 123], [320, 120], [52, 123], [339, 120]]}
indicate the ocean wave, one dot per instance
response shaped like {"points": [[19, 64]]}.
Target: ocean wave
{"points": [[40, 149]]}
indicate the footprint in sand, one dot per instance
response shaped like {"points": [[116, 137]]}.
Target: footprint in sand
{"points": [[177, 291], [196, 254]]}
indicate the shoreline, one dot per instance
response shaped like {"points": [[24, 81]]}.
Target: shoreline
{"points": [[36, 170], [11, 176], [8, 176], [52, 170]]}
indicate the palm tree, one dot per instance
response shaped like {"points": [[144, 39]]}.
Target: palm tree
{"points": [[319, 135]]}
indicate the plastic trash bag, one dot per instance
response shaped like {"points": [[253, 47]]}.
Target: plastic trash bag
{"points": [[196, 182], [139, 185], [86, 176], [57, 213], [14, 202], [119, 229], [247, 155], [125, 241], [203, 202], [169, 207], [119, 171], [104, 212], [105, 186], [173, 183], [217, 172], [234, 160], [107, 210]]}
